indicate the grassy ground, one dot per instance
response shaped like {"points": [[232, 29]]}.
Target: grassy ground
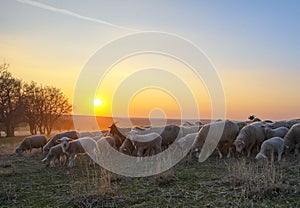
{"points": [[235, 182]]}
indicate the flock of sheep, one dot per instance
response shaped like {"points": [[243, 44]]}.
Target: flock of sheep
{"points": [[264, 137]]}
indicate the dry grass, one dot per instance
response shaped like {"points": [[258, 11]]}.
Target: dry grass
{"points": [[215, 183], [257, 180]]}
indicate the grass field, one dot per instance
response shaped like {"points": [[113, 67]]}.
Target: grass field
{"points": [[235, 182]]}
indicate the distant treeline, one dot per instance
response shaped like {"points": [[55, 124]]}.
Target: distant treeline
{"points": [[35, 104]]}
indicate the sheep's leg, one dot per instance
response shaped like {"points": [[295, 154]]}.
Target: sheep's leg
{"points": [[297, 149], [272, 156], [219, 152], [279, 155], [249, 150], [71, 161]]}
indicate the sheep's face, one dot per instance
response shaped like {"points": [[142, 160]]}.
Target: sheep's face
{"points": [[65, 143], [260, 156], [239, 145], [19, 150]]}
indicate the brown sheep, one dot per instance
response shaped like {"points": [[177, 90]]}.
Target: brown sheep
{"points": [[35, 141]]}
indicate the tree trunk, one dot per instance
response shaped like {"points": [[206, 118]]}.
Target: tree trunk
{"points": [[10, 130]]}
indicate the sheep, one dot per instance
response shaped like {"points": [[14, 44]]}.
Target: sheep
{"points": [[292, 122], [55, 153], [92, 133], [274, 144], [251, 135], [278, 132], [144, 144], [292, 139], [253, 118], [52, 141], [118, 134], [128, 148], [186, 141], [242, 124], [35, 141], [81, 146], [228, 135]]}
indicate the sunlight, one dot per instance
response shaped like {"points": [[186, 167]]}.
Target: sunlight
{"points": [[97, 102]]}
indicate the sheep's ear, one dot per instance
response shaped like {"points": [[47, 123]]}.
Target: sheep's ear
{"points": [[70, 139], [58, 141]]}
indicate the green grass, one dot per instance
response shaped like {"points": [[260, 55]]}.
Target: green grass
{"points": [[26, 182]]}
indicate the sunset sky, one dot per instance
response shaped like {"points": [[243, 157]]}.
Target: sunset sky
{"points": [[253, 45]]}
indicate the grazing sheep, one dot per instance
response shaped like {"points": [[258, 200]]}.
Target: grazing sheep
{"points": [[81, 146], [35, 141], [278, 132], [147, 144], [273, 145], [228, 135], [251, 135], [292, 139], [52, 141], [55, 153], [168, 133], [186, 141]]}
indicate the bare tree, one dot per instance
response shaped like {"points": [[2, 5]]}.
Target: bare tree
{"points": [[55, 105], [10, 100], [31, 101]]}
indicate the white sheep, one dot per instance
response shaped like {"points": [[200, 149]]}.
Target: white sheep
{"points": [[55, 153], [250, 135], [146, 144], [278, 132], [273, 145], [81, 146]]}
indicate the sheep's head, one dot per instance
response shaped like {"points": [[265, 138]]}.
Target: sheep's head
{"points": [[20, 150], [239, 145], [260, 156], [64, 142]]}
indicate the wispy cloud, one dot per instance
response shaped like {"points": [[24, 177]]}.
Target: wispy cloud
{"points": [[73, 14]]}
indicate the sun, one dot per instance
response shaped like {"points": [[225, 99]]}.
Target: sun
{"points": [[97, 102]]}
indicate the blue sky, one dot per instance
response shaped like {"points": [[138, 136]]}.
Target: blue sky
{"points": [[254, 45]]}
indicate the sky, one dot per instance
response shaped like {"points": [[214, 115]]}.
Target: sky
{"points": [[253, 46]]}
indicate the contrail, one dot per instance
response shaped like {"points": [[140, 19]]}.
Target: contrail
{"points": [[73, 14]]}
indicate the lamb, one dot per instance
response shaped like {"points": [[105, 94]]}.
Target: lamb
{"points": [[35, 141], [82, 146], [292, 139], [55, 153], [229, 132], [278, 132], [149, 143], [251, 135], [273, 145], [52, 141]]}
